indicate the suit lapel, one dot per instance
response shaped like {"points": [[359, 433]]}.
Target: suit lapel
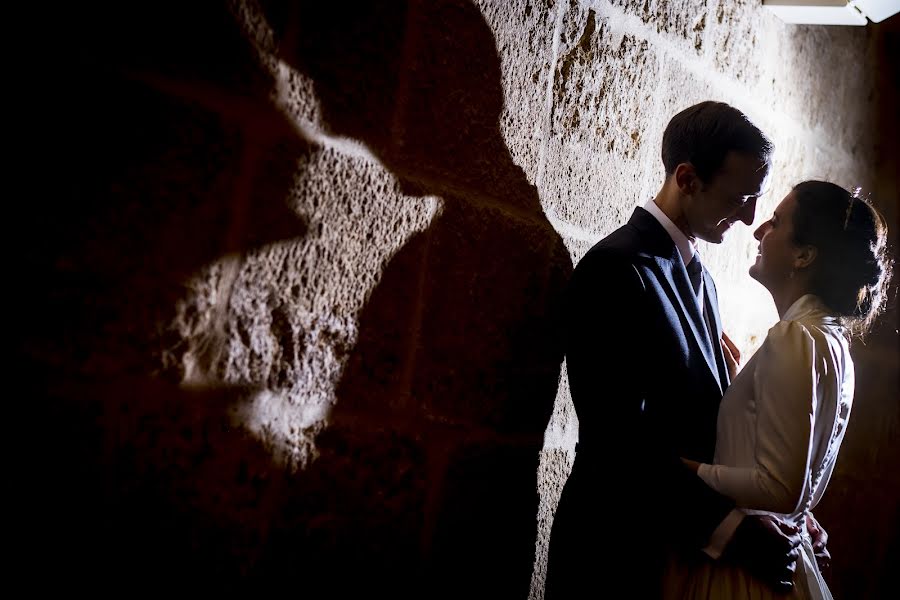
{"points": [[658, 246], [676, 278]]}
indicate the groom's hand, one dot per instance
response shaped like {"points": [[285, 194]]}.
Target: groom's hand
{"points": [[819, 538], [768, 549]]}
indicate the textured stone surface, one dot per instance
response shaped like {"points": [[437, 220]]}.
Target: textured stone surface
{"points": [[279, 319], [524, 35], [681, 20], [737, 36], [555, 466], [294, 286], [595, 151]]}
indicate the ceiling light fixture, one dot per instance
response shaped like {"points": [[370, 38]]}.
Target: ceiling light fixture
{"points": [[833, 12]]}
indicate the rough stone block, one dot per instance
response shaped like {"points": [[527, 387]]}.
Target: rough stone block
{"points": [[524, 33], [597, 72], [596, 154], [592, 191], [681, 19], [737, 39]]}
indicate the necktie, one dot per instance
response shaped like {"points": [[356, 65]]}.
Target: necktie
{"points": [[695, 272]]}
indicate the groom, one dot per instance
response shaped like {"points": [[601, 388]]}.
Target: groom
{"points": [[647, 371]]}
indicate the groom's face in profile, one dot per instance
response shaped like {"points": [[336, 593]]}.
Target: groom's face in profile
{"points": [[730, 196]]}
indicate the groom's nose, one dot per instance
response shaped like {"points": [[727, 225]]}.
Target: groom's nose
{"points": [[747, 212]]}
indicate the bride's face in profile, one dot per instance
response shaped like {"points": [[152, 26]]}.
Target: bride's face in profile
{"points": [[776, 256]]}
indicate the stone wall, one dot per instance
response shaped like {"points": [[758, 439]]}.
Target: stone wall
{"points": [[291, 316]]}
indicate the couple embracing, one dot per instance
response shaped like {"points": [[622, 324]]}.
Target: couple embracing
{"points": [[693, 479]]}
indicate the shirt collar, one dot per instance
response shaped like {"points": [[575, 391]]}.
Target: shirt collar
{"points": [[685, 247]]}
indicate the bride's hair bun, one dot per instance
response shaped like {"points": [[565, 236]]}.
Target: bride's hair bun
{"points": [[852, 269]]}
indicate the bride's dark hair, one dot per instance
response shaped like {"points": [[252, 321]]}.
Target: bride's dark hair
{"points": [[852, 269]]}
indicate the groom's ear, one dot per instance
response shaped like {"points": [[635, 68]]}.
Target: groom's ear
{"points": [[686, 178], [804, 256]]}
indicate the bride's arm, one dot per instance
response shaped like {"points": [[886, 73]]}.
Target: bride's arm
{"points": [[785, 407]]}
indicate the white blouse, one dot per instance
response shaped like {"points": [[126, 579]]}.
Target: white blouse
{"points": [[783, 418]]}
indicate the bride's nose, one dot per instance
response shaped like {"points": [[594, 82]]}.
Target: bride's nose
{"points": [[761, 231]]}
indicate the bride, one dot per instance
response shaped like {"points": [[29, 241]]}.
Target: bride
{"points": [[822, 256]]}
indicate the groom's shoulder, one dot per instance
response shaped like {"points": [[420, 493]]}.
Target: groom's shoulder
{"points": [[625, 239], [622, 244], [613, 256]]}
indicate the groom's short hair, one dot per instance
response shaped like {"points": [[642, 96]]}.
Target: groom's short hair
{"points": [[705, 133]]}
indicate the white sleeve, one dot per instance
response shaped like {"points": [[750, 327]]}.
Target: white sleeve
{"points": [[722, 535], [784, 384]]}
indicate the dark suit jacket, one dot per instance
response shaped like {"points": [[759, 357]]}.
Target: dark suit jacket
{"points": [[646, 381]]}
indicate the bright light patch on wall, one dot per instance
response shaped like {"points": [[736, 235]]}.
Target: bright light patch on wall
{"points": [[832, 12], [816, 12]]}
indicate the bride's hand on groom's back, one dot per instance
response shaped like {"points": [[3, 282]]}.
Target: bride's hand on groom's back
{"points": [[767, 548]]}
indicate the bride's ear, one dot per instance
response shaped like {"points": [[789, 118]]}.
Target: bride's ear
{"points": [[804, 256]]}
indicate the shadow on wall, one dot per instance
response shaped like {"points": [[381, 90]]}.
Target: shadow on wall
{"points": [[426, 480], [455, 371]]}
